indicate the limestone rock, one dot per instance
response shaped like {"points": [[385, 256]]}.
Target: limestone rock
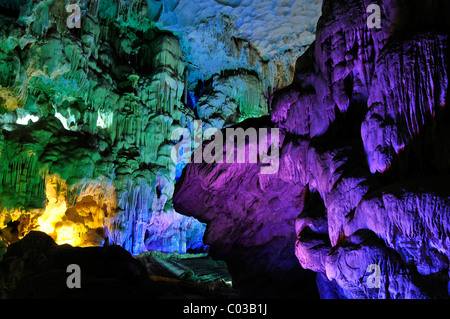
{"points": [[364, 143], [250, 220], [93, 109], [236, 96], [410, 83]]}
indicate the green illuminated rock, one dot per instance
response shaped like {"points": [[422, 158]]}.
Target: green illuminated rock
{"points": [[97, 106]]}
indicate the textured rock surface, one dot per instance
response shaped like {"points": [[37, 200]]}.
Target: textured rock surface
{"points": [[365, 144], [410, 83], [236, 96], [266, 36], [359, 195], [250, 222], [395, 220], [86, 115], [91, 112]]}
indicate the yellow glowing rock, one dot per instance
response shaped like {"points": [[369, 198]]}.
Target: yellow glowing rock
{"points": [[79, 224], [56, 205], [8, 100]]}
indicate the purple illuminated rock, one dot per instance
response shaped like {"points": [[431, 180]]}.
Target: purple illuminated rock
{"points": [[391, 221], [410, 83], [413, 218], [365, 153], [250, 218], [336, 69]]}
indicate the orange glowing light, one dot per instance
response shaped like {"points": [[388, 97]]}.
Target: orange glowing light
{"points": [[74, 225], [68, 235], [56, 206]]}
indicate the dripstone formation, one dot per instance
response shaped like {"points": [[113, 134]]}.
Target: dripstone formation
{"points": [[361, 196], [359, 206]]}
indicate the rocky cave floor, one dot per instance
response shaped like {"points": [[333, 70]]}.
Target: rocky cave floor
{"points": [[36, 267]]}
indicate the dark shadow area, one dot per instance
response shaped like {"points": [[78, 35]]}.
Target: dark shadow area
{"points": [[411, 16], [36, 268], [10, 8]]}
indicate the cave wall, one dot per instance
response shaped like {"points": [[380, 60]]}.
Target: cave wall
{"points": [[87, 117], [364, 157], [91, 111], [87, 114]]}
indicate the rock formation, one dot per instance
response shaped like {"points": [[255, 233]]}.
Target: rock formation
{"points": [[87, 114], [363, 161], [357, 205]]}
